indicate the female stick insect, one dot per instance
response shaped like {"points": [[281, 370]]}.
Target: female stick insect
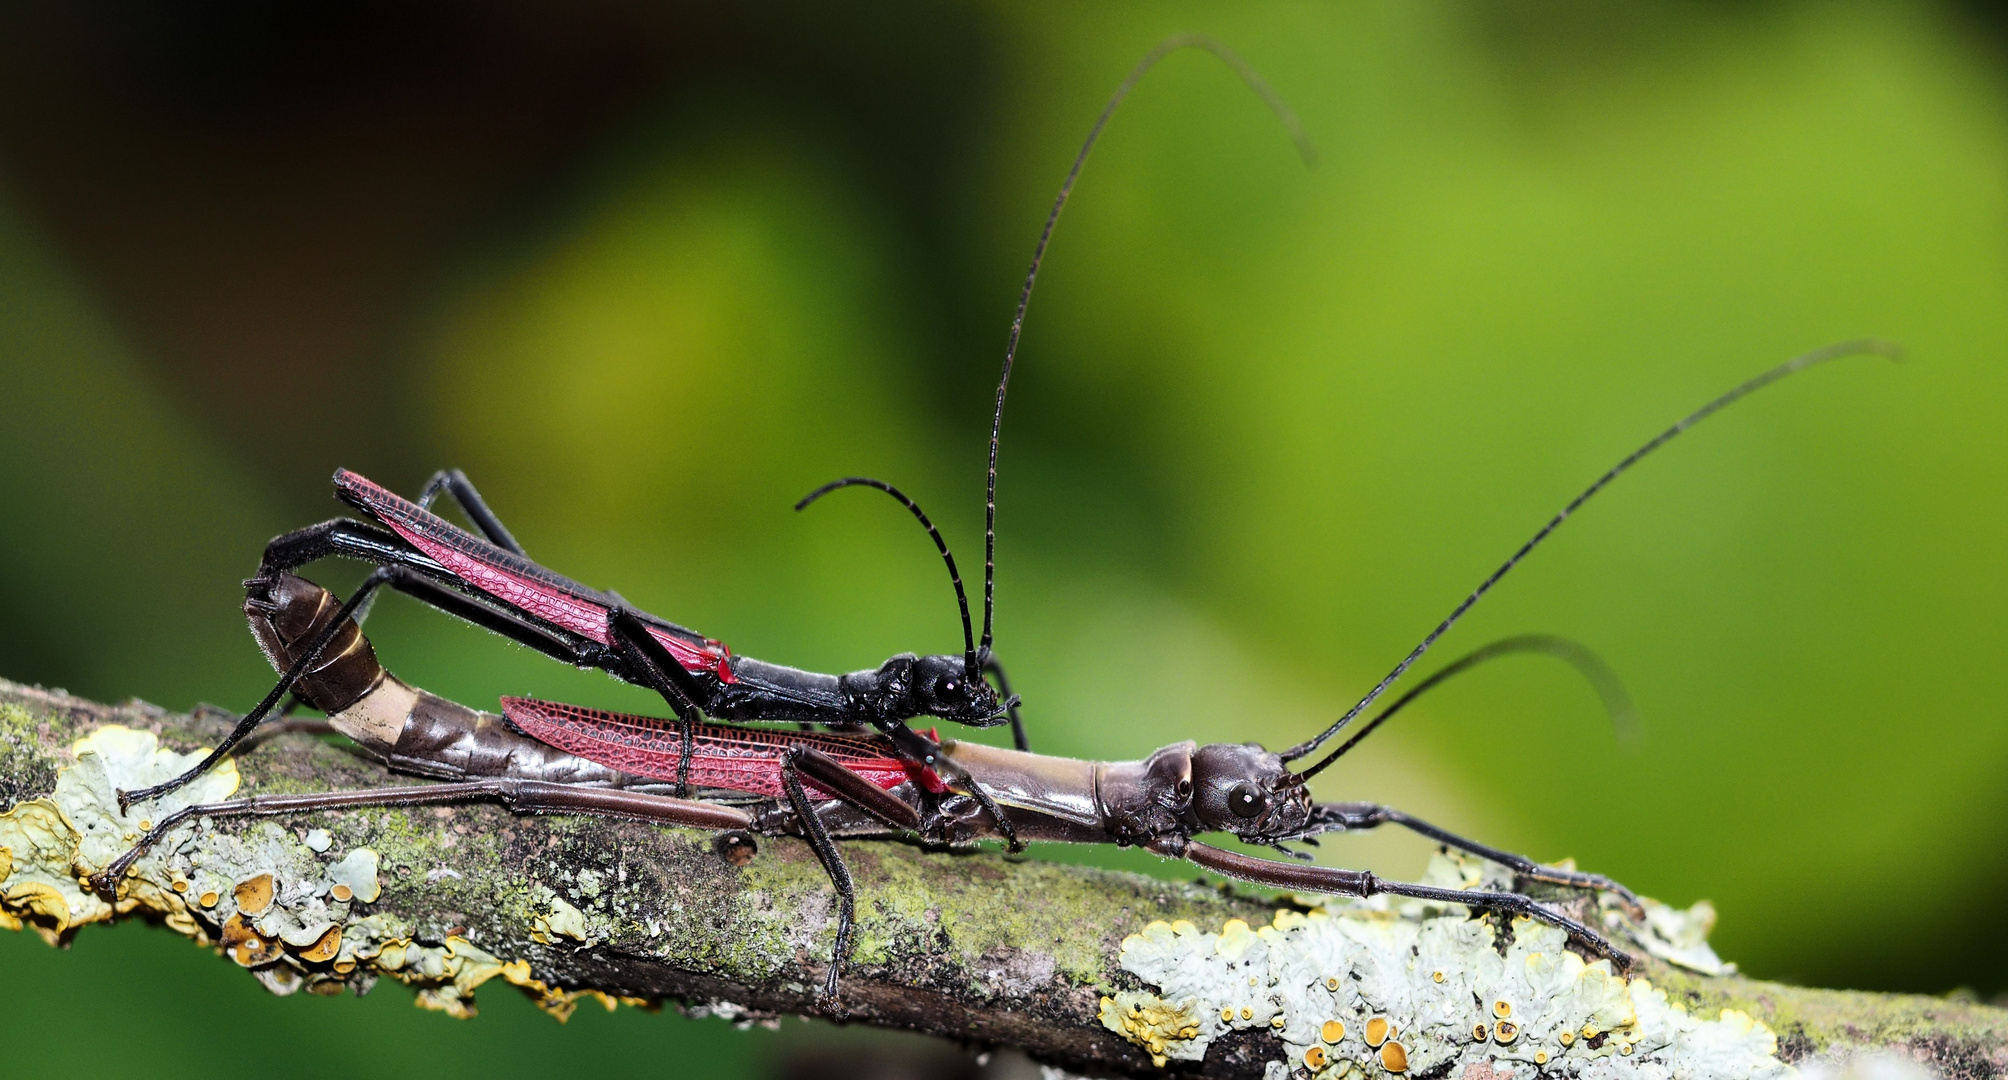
{"points": [[544, 757], [554, 758], [489, 581]]}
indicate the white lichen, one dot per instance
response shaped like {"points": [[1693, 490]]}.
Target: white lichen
{"points": [[262, 896], [52, 844], [1681, 936], [1374, 988], [355, 876]]}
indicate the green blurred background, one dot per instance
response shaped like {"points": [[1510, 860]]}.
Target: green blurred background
{"points": [[649, 274]]}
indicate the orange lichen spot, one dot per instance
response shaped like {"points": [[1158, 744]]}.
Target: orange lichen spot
{"points": [[1568, 1038], [1436, 975], [1247, 1013], [208, 899], [1378, 1030], [1480, 1032], [179, 885], [1502, 1009], [1333, 1031], [1314, 1058], [1624, 1048], [325, 948], [343, 967], [1227, 1015], [1540, 1057], [236, 932], [254, 897], [1276, 1021], [1590, 1031], [1505, 1031], [342, 893], [1394, 1056], [245, 945], [1332, 983]]}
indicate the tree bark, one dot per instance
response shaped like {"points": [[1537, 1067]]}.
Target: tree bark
{"points": [[977, 947]]}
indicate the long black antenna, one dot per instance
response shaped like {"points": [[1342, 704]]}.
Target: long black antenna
{"points": [[1170, 45], [955, 576], [1859, 347], [1617, 702]]}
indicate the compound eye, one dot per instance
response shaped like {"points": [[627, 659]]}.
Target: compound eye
{"points": [[1245, 801]]}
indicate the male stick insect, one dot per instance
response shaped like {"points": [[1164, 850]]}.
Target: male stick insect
{"points": [[553, 758], [489, 581]]}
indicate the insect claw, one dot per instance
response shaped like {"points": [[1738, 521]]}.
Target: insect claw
{"points": [[826, 998]]}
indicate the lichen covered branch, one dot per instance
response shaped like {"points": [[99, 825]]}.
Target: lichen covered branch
{"points": [[1091, 970]]}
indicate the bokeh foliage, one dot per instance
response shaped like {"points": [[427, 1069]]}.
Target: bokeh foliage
{"points": [[1270, 425]]}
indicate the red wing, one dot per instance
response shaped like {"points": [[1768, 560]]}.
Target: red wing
{"points": [[732, 758], [511, 578]]}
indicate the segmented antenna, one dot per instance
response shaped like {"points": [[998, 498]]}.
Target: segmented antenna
{"points": [[1859, 347], [1617, 701], [954, 575], [1168, 46]]}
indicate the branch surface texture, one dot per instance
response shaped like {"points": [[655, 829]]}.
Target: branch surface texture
{"points": [[1089, 970]]}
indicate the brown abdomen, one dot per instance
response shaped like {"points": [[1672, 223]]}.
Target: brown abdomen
{"points": [[287, 613]]}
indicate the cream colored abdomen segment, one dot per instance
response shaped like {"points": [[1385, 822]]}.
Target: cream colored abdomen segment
{"points": [[379, 718]]}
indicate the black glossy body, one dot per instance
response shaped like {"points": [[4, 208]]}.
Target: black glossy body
{"points": [[737, 688]]}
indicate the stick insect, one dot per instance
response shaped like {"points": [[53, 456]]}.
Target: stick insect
{"points": [[489, 581], [548, 758]]}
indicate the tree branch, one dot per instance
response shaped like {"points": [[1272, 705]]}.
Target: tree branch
{"points": [[1065, 962]]}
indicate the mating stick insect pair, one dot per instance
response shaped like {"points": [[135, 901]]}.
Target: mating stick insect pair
{"points": [[874, 774], [489, 581]]}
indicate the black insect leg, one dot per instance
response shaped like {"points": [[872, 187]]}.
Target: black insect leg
{"points": [[918, 748], [656, 669], [1354, 817], [1509, 904], [568, 648], [992, 667], [560, 645], [250, 720], [1328, 879], [454, 484], [833, 864], [349, 539], [522, 796]]}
